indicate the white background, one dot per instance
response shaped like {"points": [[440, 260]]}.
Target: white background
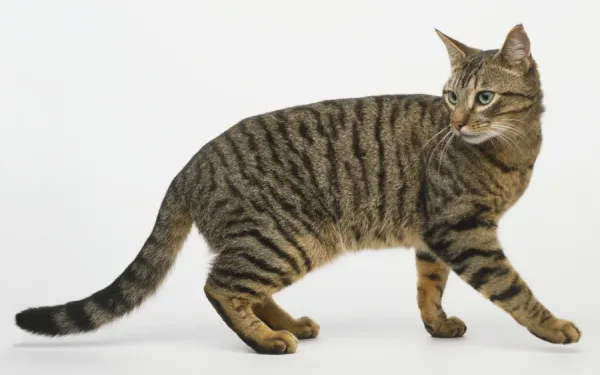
{"points": [[102, 102]]}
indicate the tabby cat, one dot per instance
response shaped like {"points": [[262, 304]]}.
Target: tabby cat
{"points": [[285, 192]]}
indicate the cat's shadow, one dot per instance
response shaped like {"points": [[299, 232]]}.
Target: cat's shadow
{"points": [[506, 335], [215, 337], [211, 336]]}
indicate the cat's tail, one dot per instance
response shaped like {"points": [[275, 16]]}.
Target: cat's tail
{"points": [[139, 280]]}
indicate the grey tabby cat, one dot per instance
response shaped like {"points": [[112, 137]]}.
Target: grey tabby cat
{"points": [[285, 192]]}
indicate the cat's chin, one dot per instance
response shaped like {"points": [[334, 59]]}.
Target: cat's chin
{"points": [[475, 139]]}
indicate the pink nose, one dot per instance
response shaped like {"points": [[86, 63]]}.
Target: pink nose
{"points": [[458, 124]]}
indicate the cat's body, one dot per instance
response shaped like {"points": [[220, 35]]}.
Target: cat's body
{"points": [[346, 174], [282, 193]]}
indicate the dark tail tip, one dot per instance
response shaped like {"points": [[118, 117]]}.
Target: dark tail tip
{"points": [[38, 320]]}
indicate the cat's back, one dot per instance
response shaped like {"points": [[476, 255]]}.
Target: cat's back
{"points": [[392, 118], [352, 162], [316, 142]]}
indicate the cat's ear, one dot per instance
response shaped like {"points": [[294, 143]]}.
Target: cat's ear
{"points": [[516, 50], [457, 51]]}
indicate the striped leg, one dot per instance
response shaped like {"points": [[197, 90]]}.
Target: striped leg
{"points": [[276, 318], [253, 266], [474, 253], [432, 277], [237, 313]]}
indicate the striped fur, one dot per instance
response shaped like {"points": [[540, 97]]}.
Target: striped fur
{"points": [[282, 193]]}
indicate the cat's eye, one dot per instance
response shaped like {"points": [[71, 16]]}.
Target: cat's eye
{"points": [[452, 98], [485, 97]]}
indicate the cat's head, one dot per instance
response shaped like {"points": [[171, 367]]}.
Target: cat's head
{"points": [[493, 93]]}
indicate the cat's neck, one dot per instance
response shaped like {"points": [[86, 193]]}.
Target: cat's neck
{"points": [[519, 150]]}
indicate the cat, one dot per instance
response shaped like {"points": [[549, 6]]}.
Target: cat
{"points": [[285, 192]]}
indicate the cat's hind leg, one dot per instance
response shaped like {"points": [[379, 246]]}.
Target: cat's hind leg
{"points": [[237, 313], [252, 266], [278, 319]]}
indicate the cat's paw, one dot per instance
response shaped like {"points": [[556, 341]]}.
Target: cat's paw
{"points": [[280, 342], [447, 328], [557, 331], [306, 328]]}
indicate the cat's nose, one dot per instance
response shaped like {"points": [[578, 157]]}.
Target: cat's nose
{"points": [[458, 124]]}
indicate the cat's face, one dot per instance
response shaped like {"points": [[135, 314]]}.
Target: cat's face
{"points": [[492, 94]]}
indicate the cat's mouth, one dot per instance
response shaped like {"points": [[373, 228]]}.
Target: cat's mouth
{"points": [[474, 138]]}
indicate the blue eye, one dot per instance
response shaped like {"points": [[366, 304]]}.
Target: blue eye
{"points": [[485, 97], [452, 98]]}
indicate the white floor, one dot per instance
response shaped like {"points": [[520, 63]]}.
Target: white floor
{"points": [[364, 345]]}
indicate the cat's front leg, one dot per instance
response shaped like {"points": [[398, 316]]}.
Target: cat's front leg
{"points": [[474, 253], [432, 275]]}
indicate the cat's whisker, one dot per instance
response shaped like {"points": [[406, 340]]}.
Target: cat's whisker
{"points": [[510, 133], [436, 146], [488, 134], [430, 139], [511, 143], [492, 141], [444, 150], [516, 120], [507, 124], [503, 142], [508, 127], [494, 138], [507, 133]]}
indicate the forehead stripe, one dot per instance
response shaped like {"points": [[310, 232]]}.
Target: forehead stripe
{"points": [[520, 94], [518, 110], [473, 71]]}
